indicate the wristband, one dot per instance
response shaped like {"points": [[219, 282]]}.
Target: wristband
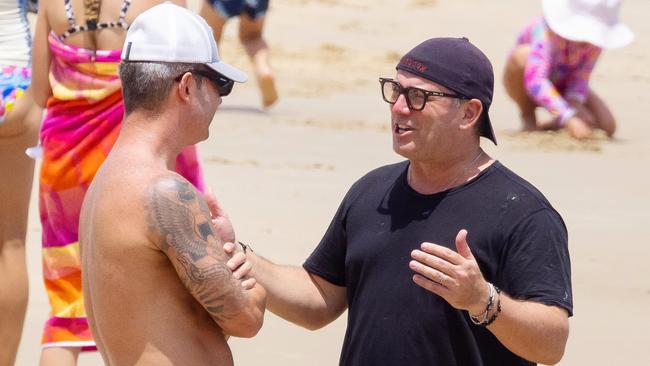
{"points": [[245, 247]]}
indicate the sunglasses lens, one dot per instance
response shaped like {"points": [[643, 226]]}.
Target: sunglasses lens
{"points": [[223, 84], [390, 90]]}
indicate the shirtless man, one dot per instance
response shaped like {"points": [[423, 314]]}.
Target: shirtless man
{"points": [[158, 288]]}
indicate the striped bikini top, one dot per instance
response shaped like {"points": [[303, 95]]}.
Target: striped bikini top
{"points": [[92, 15]]}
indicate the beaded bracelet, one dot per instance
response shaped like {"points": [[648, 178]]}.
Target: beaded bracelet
{"points": [[498, 311], [482, 319], [484, 315]]}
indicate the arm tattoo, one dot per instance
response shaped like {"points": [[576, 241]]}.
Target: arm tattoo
{"points": [[180, 219]]}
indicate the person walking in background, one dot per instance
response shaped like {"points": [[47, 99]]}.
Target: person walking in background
{"points": [[251, 25], [19, 121], [553, 60], [77, 47]]}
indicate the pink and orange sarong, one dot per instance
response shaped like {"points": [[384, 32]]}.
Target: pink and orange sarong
{"points": [[82, 123]]}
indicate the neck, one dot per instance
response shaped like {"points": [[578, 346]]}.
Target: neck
{"points": [[155, 135], [433, 177]]}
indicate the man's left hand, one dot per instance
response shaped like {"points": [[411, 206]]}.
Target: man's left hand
{"points": [[454, 276], [220, 220]]}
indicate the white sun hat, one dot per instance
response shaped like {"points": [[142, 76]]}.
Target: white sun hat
{"points": [[593, 21], [171, 33]]}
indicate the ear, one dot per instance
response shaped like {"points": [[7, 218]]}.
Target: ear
{"points": [[472, 114], [183, 88]]}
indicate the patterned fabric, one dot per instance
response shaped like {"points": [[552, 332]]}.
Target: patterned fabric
{"points": [[83, 121], [91, 23], [557, 69], [14, 80]]}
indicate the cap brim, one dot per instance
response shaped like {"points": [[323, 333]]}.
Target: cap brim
{"points": [[228, 71]]}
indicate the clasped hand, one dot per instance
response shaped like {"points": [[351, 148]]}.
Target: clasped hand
{"points": [[238, 262]]}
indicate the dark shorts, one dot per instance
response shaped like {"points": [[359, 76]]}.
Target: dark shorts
{"points": [[233, 8]]}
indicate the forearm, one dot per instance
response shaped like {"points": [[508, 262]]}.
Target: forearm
{"points": [[293, 295], [534, 331], [250, 317]]}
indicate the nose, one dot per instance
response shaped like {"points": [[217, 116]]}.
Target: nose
{"points": [[400, 106]]}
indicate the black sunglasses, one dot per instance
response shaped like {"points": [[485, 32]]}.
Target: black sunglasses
{"points": [[416, 98], [222, 83]]}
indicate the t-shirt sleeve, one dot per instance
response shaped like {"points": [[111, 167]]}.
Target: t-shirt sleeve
{"points": [[536, 261], [328, 259]]}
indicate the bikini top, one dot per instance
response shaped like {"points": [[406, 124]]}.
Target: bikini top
{"points": [[92, 15]]}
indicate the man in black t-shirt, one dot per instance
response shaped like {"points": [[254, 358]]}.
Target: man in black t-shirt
{"points": [[448, 258]]}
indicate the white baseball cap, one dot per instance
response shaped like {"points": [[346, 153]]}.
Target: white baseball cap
{"points": [[171, 33], [593, 21]]}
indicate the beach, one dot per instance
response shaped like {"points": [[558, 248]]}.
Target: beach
{"points": [[281, 173]]}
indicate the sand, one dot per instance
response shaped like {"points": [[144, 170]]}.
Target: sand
{"points": [[281, 173]]}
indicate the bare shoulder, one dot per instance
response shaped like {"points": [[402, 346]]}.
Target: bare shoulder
{"points": [[177, 215]]}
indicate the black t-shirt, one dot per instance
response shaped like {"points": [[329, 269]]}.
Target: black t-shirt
{"points": [[518, 239]]}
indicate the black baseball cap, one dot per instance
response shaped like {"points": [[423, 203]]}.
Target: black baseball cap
{"points": [[458, 65]]}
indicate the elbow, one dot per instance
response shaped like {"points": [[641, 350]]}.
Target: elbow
{"points": [[555, 351], [247, 324], [555, 355], [319, 319], [316, 324], [251, 318], [552, 358]]}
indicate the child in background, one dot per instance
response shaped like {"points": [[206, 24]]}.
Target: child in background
{"points": [[553, 60]]}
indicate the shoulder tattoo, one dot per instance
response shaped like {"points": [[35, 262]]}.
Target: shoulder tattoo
{"points": [[180, 220]]}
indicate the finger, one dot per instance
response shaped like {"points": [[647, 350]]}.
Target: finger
{"points": [[213, 204], [248, 283], [431, 274], [462, 246], [430, 285], [243, 270], [229, 248], [433, 262], [442, 252], [237, 260]]}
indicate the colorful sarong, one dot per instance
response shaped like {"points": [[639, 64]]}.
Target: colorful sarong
{"points": [[14, 80], [82, 123]]}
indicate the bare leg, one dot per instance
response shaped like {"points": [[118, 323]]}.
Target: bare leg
{"points": [[213, 18], [250, 34], [603, 117], [59, 356], [19, 131], [513, 80]]}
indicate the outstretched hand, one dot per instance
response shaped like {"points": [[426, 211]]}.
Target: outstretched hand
{"points": [[454, 276], [239, 265]]}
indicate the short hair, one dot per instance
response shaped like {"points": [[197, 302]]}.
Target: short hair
{"points": [[146, 85]]}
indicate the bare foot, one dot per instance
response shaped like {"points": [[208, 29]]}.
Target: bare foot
{"points": [[269, 93]]}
